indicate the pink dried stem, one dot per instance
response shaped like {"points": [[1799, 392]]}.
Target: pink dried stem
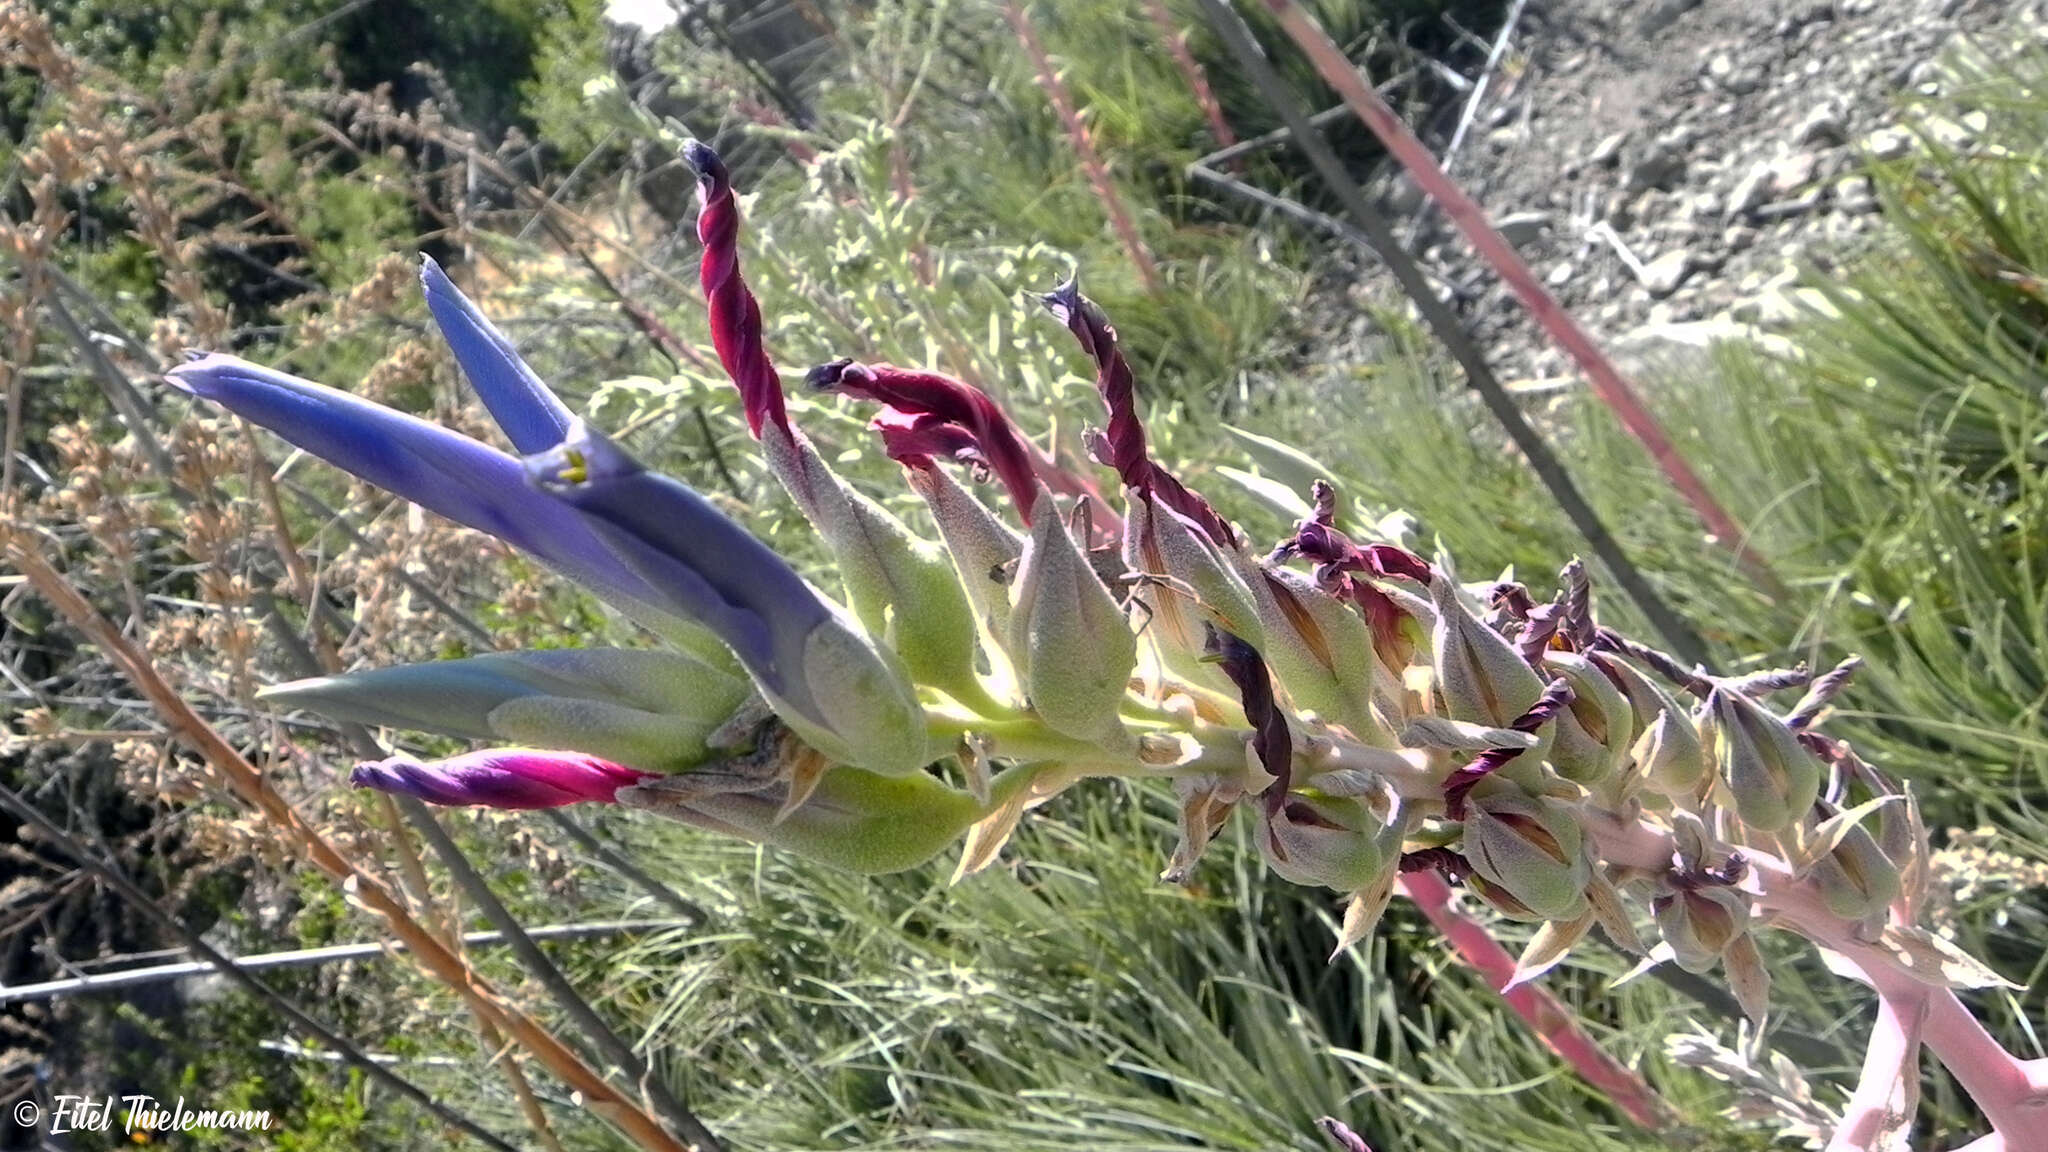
{"points": [[1608, 384], [1191, 70], [1554, 1023], [1084, 147]]}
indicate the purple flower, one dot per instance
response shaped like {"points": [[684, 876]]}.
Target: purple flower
{"points": [[530, 415], [501, 778], [700, 563], [445, 472], [581, 504]]}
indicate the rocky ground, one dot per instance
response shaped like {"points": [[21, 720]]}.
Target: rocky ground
{"points": [[1668, 166]]}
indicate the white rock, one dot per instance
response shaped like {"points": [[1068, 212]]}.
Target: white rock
{"points": [[1662, 276], [1888, 143], [1752, 190], [1822, 126]]}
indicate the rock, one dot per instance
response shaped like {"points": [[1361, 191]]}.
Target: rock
{"points": [[1821, 127], [1560, 274], [1803, 204], [1888, 144], [1792, 172], [1662, 276], [1522, 228], [1608, 150], [1660, 165], [1738, 237], [1751, 191], [1805, 15], [1744, 81], [1663, 14], [1853, 194], [1720, 66], [1959, 133]]}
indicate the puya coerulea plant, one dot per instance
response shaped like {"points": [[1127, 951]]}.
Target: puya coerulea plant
{"points": [[1371, 714]]}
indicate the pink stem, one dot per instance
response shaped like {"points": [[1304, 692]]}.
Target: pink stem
{"points": [[2011, 1092], [1606, 380], [1891, 1067], [1552, 1021]]}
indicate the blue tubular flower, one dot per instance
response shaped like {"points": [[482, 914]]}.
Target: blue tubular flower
{"points": [[848, 698], [705, 566], [442, 471], [530, 415]]}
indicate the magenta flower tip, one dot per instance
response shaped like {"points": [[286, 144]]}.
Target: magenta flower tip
{"points": [[512, 778]]}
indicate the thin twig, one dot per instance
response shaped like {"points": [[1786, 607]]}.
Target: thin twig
{"points": [[616, 861], [1191, 71], [150, 908], [133, 409], [1295, 210], [1084, 146], [1493, 58], [100, 982], [565, 994], [427, 596]]}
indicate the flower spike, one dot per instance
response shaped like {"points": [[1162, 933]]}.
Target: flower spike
{"points": [[735, 314]]}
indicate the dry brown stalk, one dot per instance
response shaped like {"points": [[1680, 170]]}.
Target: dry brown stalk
{"points": [[241, 778], [1176, 40], [1084, 147]]}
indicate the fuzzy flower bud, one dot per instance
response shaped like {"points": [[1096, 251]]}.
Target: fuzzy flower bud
{"points": [[1321, 653], [985, 550], [1199, 585], [853, 820], [903, 589], [1480, 675], [1668, 743], [1857, 879], [1595, 734], [1699, 923], [1773, 779], [1532, 849], [648, 709], [1334, 842], [1067, 637]]}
